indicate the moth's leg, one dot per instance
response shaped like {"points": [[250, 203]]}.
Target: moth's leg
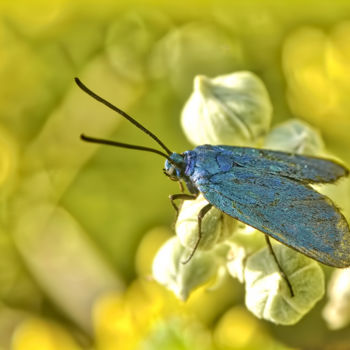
{"points": [[284, 276], [181, 186], [185, 196], [201, 215]]}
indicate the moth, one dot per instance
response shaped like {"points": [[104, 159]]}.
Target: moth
{"points": [[268, 190]]}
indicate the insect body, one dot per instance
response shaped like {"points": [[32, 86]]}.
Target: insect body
{"points": [[268, 190]]}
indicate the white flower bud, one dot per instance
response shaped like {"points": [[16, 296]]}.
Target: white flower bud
{"points": [[237, 257], [170, 271], [295, 136], [267, 293], [228, 109], [337, 310], [245, 241], [216, 226]]}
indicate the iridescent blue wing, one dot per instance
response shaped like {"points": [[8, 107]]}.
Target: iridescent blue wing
{"points": [[286, 209], [299, 167]]}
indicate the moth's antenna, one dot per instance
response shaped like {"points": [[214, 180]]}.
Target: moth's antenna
{"points": [[123, 114], [124, 145]]}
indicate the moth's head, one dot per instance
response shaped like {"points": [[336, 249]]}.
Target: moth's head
{"points": [[174, 168]]}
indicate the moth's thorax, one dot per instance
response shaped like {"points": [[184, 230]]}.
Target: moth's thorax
{"points": [[190, 160]]}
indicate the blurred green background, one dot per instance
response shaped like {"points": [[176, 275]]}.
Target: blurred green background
{"points": [[80, 223]]}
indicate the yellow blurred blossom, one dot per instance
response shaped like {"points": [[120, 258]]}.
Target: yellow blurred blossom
{"points": [[147, 317], [35, 334], [149, 245], [317, 66], [121, 321], [238, 329]]}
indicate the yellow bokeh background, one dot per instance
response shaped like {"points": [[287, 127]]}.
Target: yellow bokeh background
{"points": [[80, 224]]}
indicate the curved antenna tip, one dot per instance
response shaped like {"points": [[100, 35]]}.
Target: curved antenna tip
{"points": [[78, 81]]}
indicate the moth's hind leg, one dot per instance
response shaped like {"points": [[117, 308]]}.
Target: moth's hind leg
{"points": [[201, 215], [284, 276]]}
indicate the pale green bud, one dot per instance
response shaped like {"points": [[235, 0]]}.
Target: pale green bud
{"points": [[267, 293], [245, 241], [237, 258], [130, 38], [295, 136], [228, 109], [180, 54], [170, 271], [337, 310], [216, 226], [248, 236]]}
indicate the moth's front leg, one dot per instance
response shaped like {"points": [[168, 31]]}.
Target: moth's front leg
{"points": [[200, 217], [184, 196]]}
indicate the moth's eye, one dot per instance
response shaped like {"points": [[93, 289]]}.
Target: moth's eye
{"points": [[171, 171]]}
